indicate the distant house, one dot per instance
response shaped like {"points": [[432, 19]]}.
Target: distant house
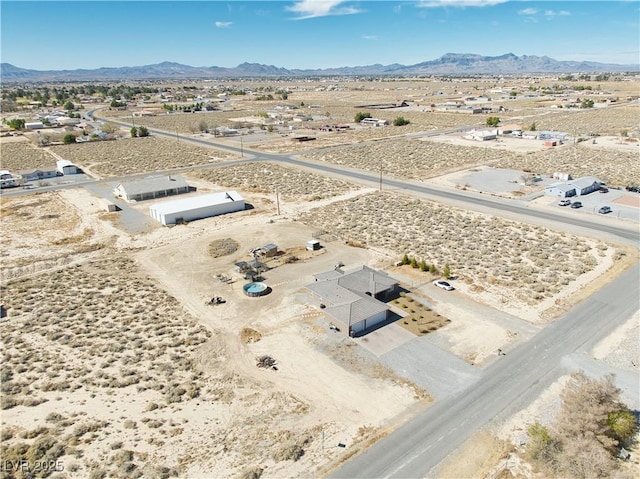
{"points": [[585, 185], [38, 174], [577, 187], [34, 125], [151, 188], [560, 190], [482, 135], [374, 122], [354, 298]]}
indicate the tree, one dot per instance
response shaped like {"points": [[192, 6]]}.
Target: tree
{"points": [[423, 265], [533, 126], [590, 428], [493, 121], [400, 121], [405, 259], [68, 139], [16, 123], [69, 106], [361, 116], [446, 271], [433, 269], [143, 131], [414, 263], [134, 132], [203, 126], [586, 103], [513, 94], [110, 127]]}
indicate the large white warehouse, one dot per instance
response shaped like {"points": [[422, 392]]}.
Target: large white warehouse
{"points": [[189, 209]]}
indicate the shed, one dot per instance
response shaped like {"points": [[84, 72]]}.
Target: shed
{"points": [[242, 266], [197, 207], [34, 125], [313, 245], [270, 250], [66, 167], [150, 188]]}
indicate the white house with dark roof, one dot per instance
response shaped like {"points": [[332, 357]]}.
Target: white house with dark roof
{"points": [[353, 298]]}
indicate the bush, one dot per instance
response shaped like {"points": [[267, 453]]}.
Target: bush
{"points": [[68, 139], [400, 121], [361, 116]]}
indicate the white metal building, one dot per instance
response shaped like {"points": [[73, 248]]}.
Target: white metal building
{"points": [[197, 207], [151, 188], [66, 167]]}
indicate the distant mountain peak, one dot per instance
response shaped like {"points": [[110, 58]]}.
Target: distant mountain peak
{"points": [[447, 64]]}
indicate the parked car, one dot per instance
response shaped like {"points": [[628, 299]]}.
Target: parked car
{"points": [[564, 203], [604, 210], [604, 190], [635, 189], [576, 204], [444, 285]]}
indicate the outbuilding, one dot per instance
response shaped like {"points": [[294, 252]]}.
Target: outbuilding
{"points": [[65, 167], [313, 245], [270, 250], [151, 188], [197, 207]]}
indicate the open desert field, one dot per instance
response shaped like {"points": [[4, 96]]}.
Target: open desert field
{"points": [[522, 269], [292, 184], [115, 365], [127, 156]]}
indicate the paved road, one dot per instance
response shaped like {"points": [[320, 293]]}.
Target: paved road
{"points": [[513, 209], [505, 387]]}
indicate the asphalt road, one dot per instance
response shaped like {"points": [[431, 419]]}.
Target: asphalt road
{"points": [[469, 200], [506, 387]]}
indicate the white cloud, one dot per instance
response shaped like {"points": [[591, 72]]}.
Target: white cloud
{"points": [[458, 3], [369, 37], [552, 13], [320, 8], [223, 24], [528, 11]]}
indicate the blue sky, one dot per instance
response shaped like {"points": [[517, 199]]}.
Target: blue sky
{"points": [[50, 35]]}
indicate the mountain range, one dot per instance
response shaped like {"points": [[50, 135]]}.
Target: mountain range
{"points": [[448, 64]]}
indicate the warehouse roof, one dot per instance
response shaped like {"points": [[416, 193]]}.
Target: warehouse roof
{"points": [[195, 202], [149, 185]]}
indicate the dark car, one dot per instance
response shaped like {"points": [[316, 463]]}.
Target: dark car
{"points": [[604, 210], [576, 204], [635, 189], [604, 190]]}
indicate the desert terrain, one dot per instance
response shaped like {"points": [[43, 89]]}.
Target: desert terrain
{"points": [[115, 365]]}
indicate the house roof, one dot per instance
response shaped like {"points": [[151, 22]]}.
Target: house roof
{"points": [[584, 181], [350, 295], [357, 311], [366, 280], [149, 185], [195, 202], [562, 187]]}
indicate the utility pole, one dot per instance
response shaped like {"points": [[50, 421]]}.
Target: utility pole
{"points": [[278, 201], [242, 152]]}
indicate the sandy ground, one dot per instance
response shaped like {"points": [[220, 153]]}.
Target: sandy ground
{"points": [[69, 378]]}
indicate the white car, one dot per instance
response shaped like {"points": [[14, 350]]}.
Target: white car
{"points": [[444, 285]]}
